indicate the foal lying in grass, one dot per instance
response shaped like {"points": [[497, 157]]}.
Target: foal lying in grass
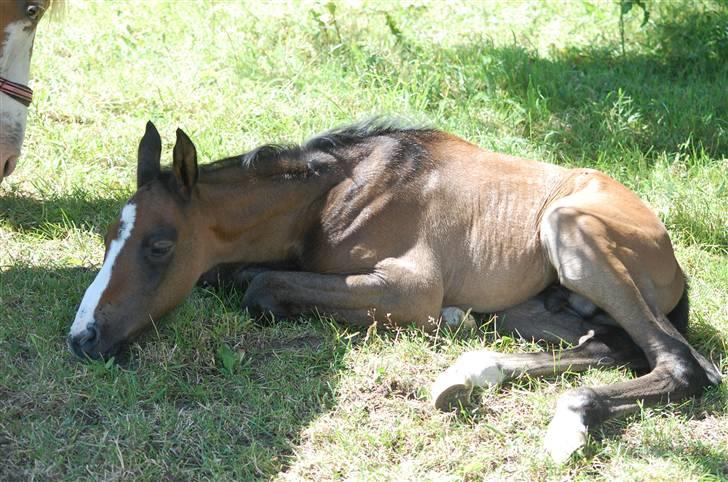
{"points": [[379, 222]]}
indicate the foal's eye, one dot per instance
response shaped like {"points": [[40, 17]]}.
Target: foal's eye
{"points": [[160, 248], [33, 11]]}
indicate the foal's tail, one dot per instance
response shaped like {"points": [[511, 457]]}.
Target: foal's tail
{"points": [[679, 315]]}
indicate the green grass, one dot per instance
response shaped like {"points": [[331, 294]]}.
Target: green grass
{"points": [[211, 394]]}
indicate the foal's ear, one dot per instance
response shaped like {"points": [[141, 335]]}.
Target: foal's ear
{"points": [[150, 149], [184, 163]]}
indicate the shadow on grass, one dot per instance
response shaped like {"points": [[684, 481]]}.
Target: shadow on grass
{"points": [[711, 459], [694, 451], [670, 97], [47, 217], [209, 393]]}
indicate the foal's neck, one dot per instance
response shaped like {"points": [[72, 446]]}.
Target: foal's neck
{"points": [[259, 220]]}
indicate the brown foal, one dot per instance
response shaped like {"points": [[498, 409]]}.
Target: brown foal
{"points": [[375, 222]]}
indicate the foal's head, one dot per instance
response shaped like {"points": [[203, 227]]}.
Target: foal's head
{"points": [[153, 257], [18, 20]]}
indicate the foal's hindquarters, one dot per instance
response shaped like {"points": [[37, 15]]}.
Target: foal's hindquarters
{"points": [[617, 270]]}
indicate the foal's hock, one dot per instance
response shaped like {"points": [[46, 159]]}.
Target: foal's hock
{"points": [[378, 222]]}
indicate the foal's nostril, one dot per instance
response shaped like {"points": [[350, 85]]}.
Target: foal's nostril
{"points": [[89, 338], [84, 345]]}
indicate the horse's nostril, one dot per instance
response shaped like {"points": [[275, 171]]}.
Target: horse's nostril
{"points": [[89, 338], [85, 345], [9, 165]]}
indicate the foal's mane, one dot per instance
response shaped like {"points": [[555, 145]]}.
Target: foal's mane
{"points": [[273, 155]]}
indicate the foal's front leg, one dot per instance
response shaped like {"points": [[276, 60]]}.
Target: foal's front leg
{"points": [[388, 295]]}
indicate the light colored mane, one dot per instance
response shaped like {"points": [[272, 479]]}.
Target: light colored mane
{"points": [[57, 9]]}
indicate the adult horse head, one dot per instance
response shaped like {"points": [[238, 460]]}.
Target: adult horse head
{"points": [[18, 21]]}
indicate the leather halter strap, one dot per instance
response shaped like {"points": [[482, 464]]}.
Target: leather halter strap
{"points": [[21, 93]]}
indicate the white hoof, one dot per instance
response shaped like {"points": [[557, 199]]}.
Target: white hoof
{"points": [[566, 433], [472, 369], [451, 389]]}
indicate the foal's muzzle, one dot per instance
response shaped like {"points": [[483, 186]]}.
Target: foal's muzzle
{"points": [[83, 344]]}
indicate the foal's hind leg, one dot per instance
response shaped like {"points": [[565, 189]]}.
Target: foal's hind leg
{"points": [[614, 252], [555, 316], [609, 346]]}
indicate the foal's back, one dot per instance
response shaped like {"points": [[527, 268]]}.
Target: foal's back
{"points": [[438, 200]]}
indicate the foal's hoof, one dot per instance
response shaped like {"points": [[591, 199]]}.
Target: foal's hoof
{"points": [[479, 368], [567, 431], [451, 390]]}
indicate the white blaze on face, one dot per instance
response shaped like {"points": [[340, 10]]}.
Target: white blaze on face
{"points": [[17, 44], [85, 314], [16, 50]]}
